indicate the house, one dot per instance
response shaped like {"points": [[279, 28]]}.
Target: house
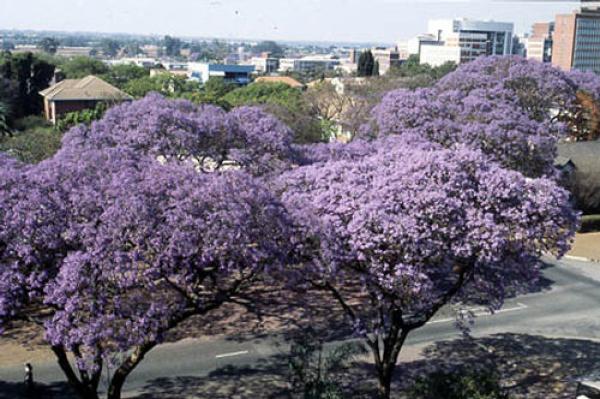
{"points": [[280, 79], [72, 95], [579, 165]]}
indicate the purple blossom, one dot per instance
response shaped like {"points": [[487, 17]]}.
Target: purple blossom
{"points": [[448, 197], [177, 130], [416, 228], [123, 248], [512, 109]]}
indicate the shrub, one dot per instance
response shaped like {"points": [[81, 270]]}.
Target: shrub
{"points": [[459, 384], [32, 145], [85, 116], [315, 372], [31, 122], [590, 223]]}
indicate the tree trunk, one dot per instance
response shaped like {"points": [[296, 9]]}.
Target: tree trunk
{"points": [[83, 391], [121, 374], [385, 381], [386, 363]]}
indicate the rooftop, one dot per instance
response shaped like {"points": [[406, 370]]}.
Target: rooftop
{"points": [[279, 79], [88, 88]]}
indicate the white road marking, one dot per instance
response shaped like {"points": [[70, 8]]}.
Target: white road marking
{"points": [[231, 354], [441, 321], [577, 258], [478, 312]]}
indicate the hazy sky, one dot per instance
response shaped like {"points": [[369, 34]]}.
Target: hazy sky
{"points": [[384, 21]]}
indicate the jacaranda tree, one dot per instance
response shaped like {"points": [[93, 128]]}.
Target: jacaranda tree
{"points": [[400, 233], [178, 130], [163, 210], [512, 109], [108, 246]]}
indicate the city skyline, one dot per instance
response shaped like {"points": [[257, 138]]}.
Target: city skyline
{"points": [[383, 21]]}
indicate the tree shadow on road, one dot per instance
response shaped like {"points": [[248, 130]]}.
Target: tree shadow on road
{"points": [[529, 366], [267, 380], [17, 390], [282, 313]]}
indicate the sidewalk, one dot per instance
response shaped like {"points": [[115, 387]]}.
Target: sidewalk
{"points": [[586, 246]]}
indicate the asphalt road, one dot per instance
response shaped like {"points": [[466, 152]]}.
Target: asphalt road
{"points": [[568, 309]]}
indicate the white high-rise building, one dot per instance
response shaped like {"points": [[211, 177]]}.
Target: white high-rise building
{"points": [[467, 38], [498, 34], [413, 46]]}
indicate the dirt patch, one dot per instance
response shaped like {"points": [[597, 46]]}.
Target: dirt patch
{"points": [[587, 246], [24, 343]]}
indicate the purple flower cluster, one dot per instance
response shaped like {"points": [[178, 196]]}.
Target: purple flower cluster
{"points": [[121, 246], [122, 236], [402, 220], [512, 109], [179, 131]]}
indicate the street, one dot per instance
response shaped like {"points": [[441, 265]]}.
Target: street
{"points": [[567, 308]]}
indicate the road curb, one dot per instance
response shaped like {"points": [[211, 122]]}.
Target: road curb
{"points": [[581, 259]]}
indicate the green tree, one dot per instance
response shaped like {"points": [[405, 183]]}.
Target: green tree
{"points": [[80, 67], [38, 141], [133, 49], [375, 71], [85, 116], [9, 97], [444, 69], [219, 87], [212, 92], [172, 46], [412, 67], [316, 373], [110, 47], [30, 75], [269, 46], [366, 64], [49, 45], [4, 118], [166, 84], [120, 75], [462, 383], [6, 45], [265, 93], [140, 87], [286, 103]]}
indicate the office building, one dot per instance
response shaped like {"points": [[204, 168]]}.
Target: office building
{"points": [[473, 38], [538, 46], [413, 46], [386, 58], [436, 55], [202, 72], [498, 35], [265, 64], [139, 61], [308, 64], [353, 56], [576, 40]]}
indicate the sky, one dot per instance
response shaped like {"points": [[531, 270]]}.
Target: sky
{"points": [[380, 21]]}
